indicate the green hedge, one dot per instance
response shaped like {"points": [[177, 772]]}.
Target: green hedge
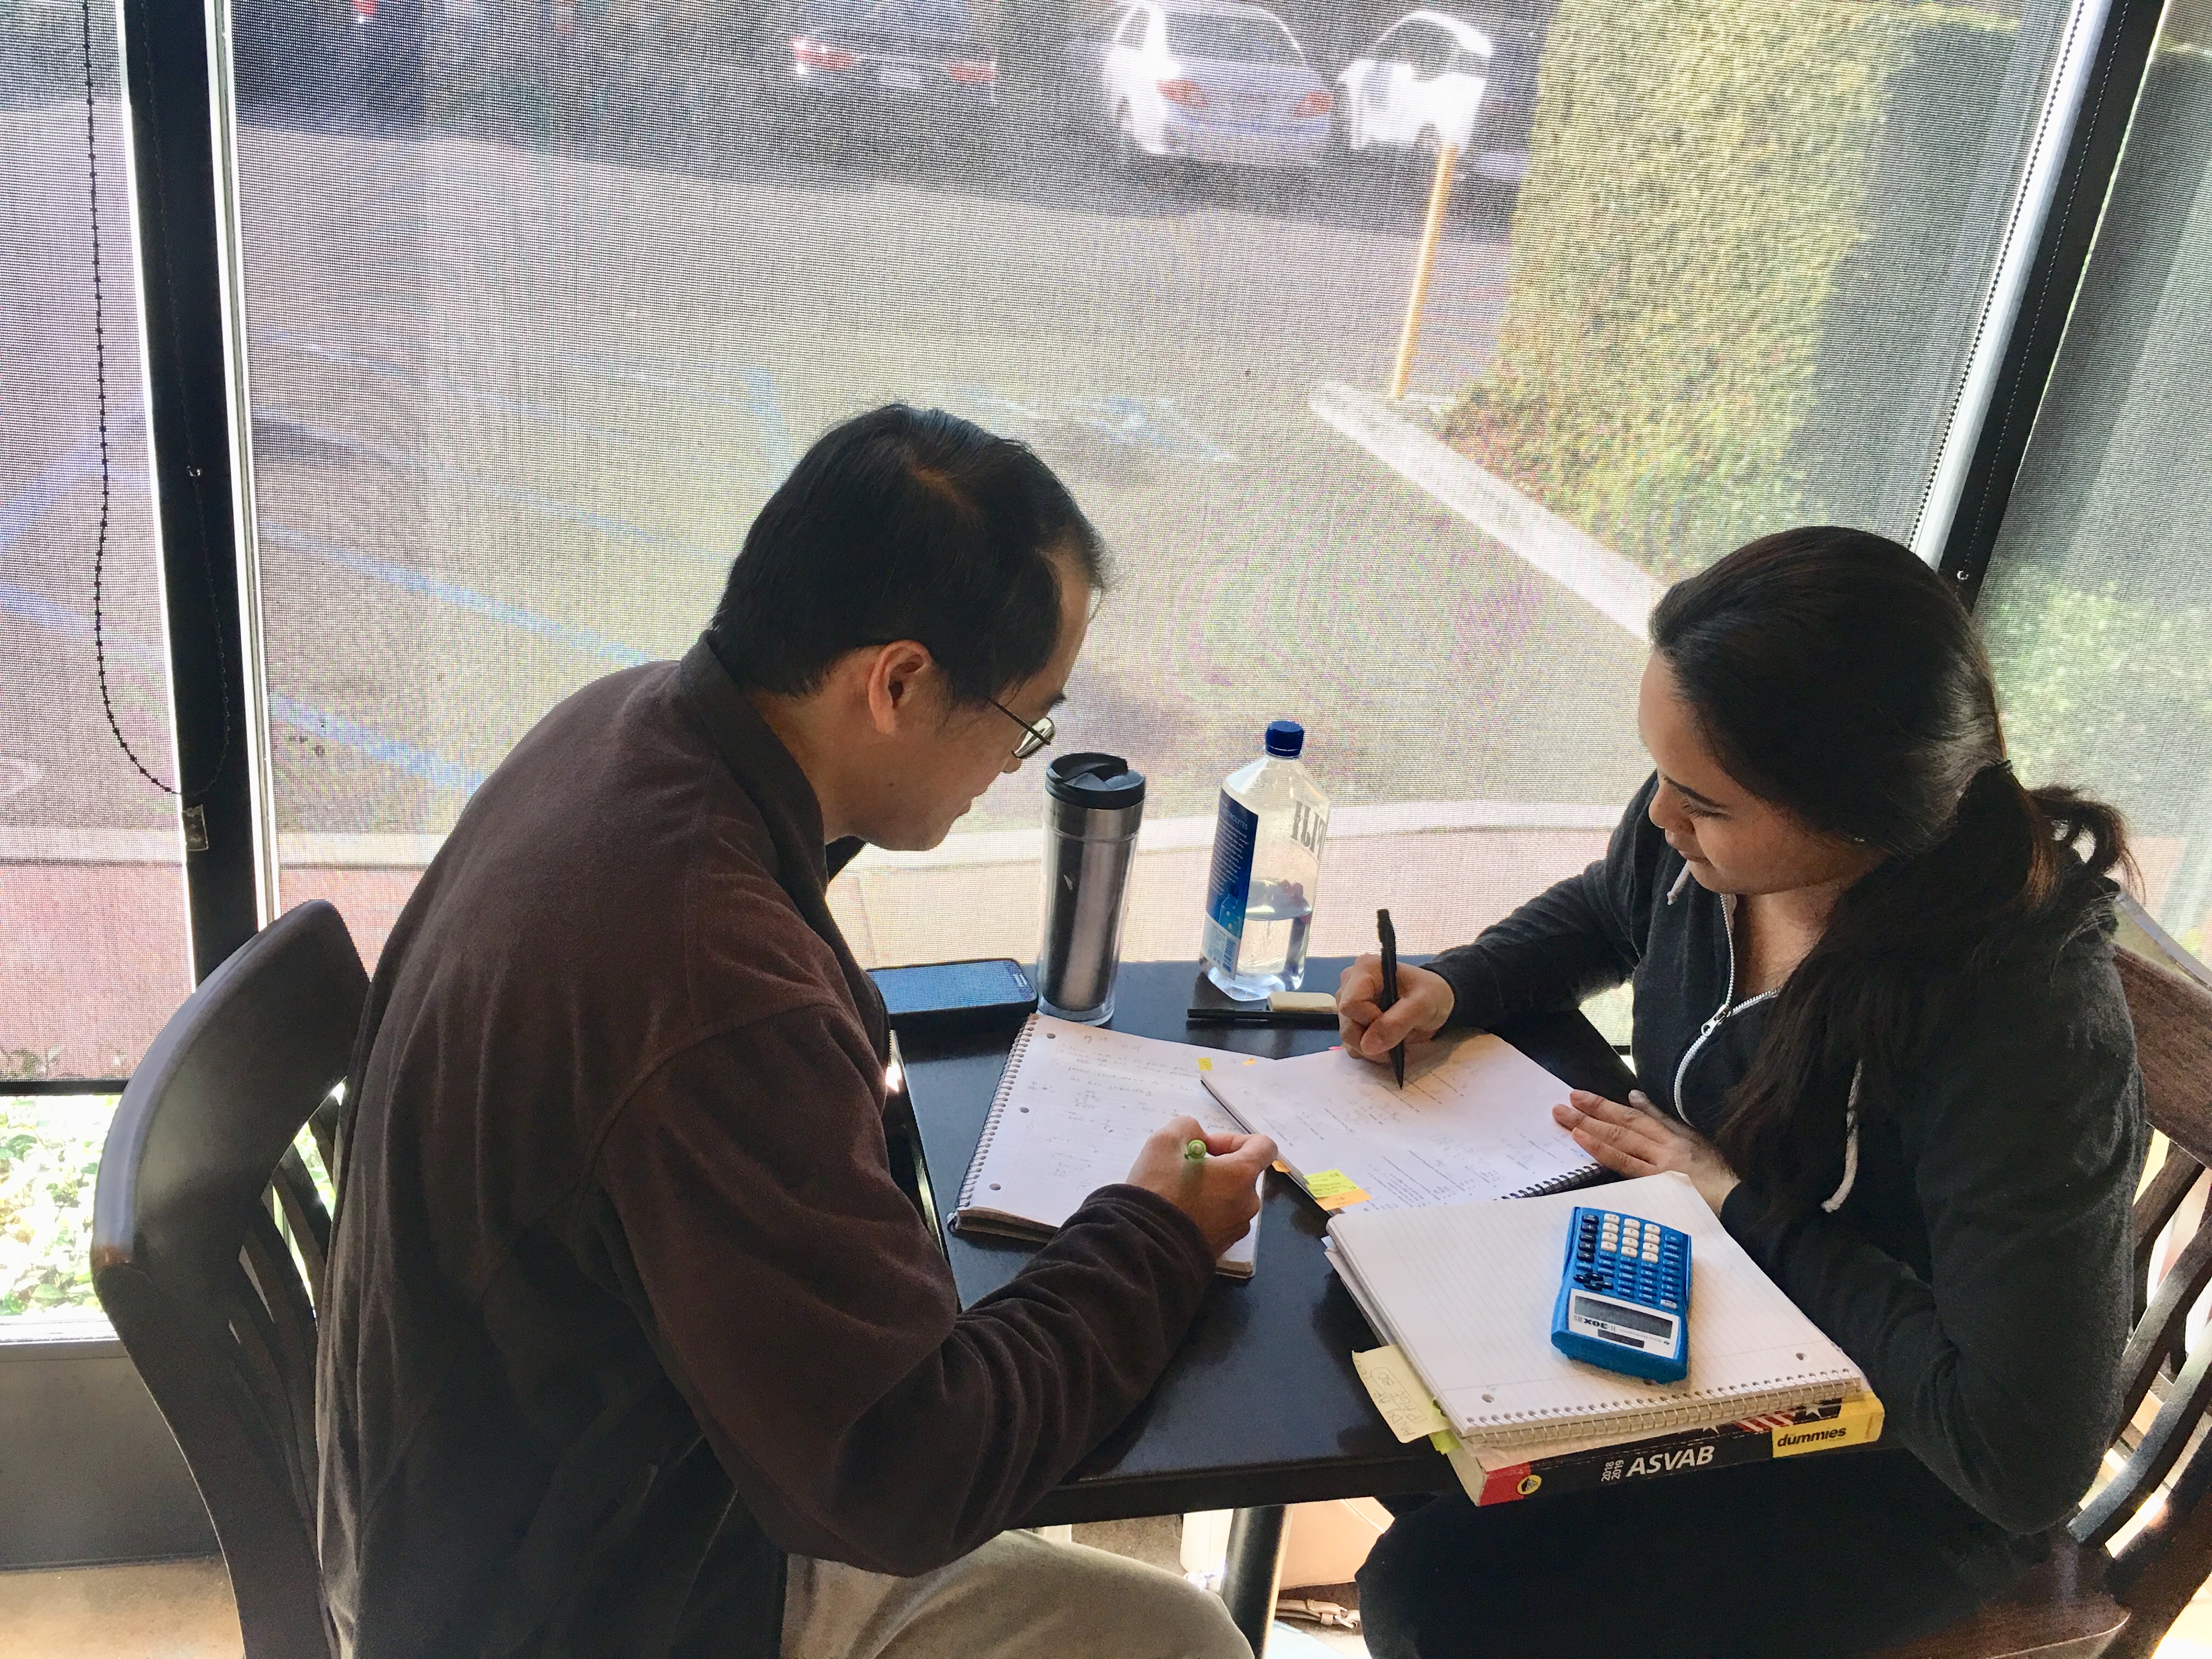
{"points": [[2102, 688], [49, 1157], [1701, 172]]}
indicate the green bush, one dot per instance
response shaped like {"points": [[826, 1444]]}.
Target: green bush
{"points": [[49, 1158], [1699, 172], [2102, 690]]}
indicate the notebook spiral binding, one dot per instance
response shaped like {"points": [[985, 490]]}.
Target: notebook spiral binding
{"points": [[1512, 1430], [998, 1110], [1593, 1174]]}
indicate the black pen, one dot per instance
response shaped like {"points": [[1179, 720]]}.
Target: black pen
{"points": [[1389, 994]]}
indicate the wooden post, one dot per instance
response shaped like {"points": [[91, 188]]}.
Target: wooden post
{"points": [[1431, 233]]}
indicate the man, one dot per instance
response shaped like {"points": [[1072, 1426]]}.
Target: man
{"points": [[633, 1347]]}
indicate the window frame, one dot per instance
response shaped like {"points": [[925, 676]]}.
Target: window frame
{"points": [[183, 120]]}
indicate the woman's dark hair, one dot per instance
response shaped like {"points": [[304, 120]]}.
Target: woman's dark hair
{"points": [[906, 524], [1834, 675]]}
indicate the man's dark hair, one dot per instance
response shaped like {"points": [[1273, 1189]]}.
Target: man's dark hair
{"points": [[906, 524]]}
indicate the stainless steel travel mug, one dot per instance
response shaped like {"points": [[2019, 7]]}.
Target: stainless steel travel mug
{"points": [[1092, 806]]}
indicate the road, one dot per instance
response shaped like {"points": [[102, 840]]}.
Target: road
{"points": [[514, 409]]}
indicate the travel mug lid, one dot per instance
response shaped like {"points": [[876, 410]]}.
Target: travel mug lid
{"points": [[1102, 782]]}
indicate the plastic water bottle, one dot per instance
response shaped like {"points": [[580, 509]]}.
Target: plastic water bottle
{"points": [[1266, 871]]}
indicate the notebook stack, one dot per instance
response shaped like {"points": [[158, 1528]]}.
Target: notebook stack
{"points": [[1462, 1296]]}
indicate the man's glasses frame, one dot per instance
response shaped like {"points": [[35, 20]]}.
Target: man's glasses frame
{"points": [[1033, 738]]}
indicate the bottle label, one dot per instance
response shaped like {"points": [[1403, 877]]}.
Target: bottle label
{"points": [[1235, 832]]}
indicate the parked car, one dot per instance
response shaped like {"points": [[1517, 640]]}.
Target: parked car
{"points": [[1203, 81], [904, 70], [1434, 79]]}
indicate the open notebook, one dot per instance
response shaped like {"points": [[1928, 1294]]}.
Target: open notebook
{"points": [[1473, 1122], [1465, 1291], [1074, 1105]]}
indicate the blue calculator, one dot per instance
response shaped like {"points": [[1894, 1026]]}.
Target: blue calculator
{"points": [[1625, 1296]]}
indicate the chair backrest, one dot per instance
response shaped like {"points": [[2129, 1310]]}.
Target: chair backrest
{"points": [[194, 1271], [2161, 1566]]}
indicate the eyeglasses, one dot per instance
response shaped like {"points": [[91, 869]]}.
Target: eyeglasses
{"points": [[1033, 738]]}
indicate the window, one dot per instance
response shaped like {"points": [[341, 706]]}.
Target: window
{"points": [[2096, 609], [1104, 30], [94, 951], [538, 313], [1227, 39], [1426, 50]]}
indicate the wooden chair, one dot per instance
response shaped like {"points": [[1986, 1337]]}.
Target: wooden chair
{"points": [[2088, 1600], [200, 1282]]}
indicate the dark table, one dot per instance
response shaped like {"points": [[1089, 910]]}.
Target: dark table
{"points": [[1261, 1407]]}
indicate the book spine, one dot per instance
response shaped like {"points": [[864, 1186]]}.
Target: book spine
{"points": [[1824, 1427], [998, 1110]]}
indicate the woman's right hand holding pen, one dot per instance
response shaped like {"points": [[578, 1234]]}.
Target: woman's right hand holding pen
{"points": [[1425, 1003]]}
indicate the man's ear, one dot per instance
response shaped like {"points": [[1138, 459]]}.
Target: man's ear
{"points": [[896, 675]]}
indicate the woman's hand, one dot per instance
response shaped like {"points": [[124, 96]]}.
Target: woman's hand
{"points": [[1425, 1003], [1634, 1139]]}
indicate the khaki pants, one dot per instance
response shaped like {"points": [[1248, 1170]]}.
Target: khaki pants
{"points": [[1017, 1597]]}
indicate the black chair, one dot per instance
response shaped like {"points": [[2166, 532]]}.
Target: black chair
{"points": [[201, 1284], [2089, 1599]]}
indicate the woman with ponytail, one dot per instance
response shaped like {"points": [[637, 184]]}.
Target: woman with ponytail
{"points": [[1878, 1024]]}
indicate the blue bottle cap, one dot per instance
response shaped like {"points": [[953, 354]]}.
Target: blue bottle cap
{"points": [[1285, 737]]}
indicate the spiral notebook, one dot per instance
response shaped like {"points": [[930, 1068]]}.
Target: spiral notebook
{"points": [[1465, 1291], [1074, 1105], [1473, 1122]]}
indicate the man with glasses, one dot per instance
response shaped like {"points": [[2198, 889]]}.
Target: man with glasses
{"points": [[631, 1346]]}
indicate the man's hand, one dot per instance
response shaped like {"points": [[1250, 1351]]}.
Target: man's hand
{"points": [[1636, 1140], [1220, 1192], [1425, 1003]]}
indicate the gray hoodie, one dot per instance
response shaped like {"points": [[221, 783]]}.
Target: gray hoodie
{"points": [[1977, 1268]]}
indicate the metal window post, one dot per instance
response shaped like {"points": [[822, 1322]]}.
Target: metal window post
{"points": [[197, 441], [2067, 175]]}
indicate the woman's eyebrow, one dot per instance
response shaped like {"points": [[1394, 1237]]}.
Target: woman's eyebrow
{"points": [[1684, 789]]}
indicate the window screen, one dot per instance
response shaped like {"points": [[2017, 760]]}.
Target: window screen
{"points": [[93, 943], [2096, 609], [544, 301]]}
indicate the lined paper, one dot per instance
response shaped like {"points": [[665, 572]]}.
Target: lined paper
{"points": [[1473, 1122], [1078, 1104], [1466, 1291]]}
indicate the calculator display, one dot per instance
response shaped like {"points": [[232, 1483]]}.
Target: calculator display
{"points": [[1615, 1313]]}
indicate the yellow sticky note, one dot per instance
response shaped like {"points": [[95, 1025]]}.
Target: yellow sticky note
{"points": [[1332, 1189], [1204, 1064], [1399, 1394]]}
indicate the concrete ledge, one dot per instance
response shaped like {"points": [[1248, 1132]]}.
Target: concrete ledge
{"points": [[314, 851], [1179, 834], [1617, 589]]}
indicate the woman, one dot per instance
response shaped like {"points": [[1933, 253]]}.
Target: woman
{"points": [[1877, 1023]]}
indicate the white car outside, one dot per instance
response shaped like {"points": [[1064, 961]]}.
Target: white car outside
{"points": [[1418, 88], [1220, 83]]}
